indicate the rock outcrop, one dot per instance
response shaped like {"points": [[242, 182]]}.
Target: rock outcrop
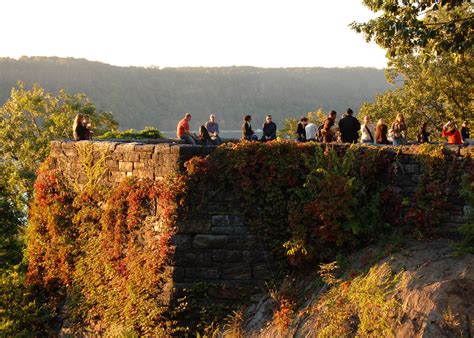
{"points": [[437, 299]]}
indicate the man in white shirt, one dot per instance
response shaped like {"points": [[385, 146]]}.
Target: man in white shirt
{"points": [[311, 131]]}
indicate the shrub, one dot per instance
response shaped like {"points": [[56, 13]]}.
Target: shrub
{"points": [[362, 307], [147, 133]]}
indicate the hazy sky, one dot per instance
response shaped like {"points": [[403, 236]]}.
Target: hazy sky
{"points": [[266, 33]]}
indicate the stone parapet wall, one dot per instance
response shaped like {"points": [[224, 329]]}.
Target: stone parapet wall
{"points": [[134, 159], [216, 247]]}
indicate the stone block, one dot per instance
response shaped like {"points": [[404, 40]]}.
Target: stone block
{"points": [[230, 230], [202, 273], [261, 271], [145, 156], [125, 166], [220, 221], [146, 148], [193, 259], [256, 256], [116, 156], [169, 160], [131, 157], [174, 149], [227, 256], [112, 164], [107, 146], [70, 152], [138, 165], [243, 239], [194, 225], [117, 176], [163, 148], [236, 221], [240, 270], [182, 242], [412, 168], [143, 173], [125, 148], [210, 241]]}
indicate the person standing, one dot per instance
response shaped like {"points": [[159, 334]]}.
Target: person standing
{"points": [[182, 131], [367, 131], [79, 131], [465, 134], [247, 131], [213, 129], [269, 129], [329, 130], [452, 133], [381, 133], [399, 130], [349, 127]]}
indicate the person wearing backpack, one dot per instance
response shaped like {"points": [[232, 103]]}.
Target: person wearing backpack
{"points": [[349, 127], [367, 131]]}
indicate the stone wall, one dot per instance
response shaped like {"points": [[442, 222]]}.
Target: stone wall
{"points": [[134, 159], [216, 247]]}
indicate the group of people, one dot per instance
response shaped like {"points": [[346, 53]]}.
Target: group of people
{"points": [[348, 128], [81, 128], [208, 133]]}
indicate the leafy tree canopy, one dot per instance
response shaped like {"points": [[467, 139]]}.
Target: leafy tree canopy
{"points": [[29, 120], [428, 43], [425, 27]]}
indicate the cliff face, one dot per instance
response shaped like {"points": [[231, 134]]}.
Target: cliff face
{"points": [[435, 296]]}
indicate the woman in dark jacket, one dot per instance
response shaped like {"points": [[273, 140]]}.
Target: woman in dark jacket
{"points": [[247, 132], [79, 131], [381, 133], [424, 135], [300, 130]]}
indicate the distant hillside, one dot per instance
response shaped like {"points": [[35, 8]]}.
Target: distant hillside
{"points": [[141, 97]]}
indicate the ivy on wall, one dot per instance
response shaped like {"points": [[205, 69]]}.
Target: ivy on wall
{"points": [[104, 254]]}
